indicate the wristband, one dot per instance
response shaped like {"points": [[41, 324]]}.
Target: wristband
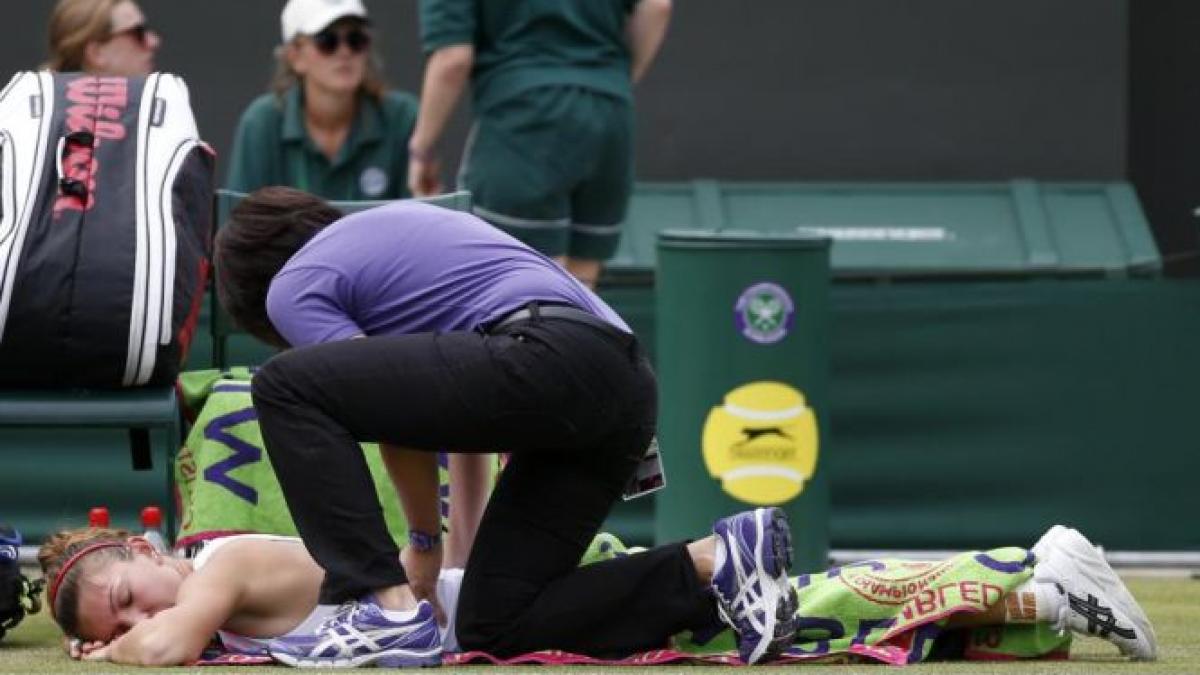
{"points": [[423, 542]]}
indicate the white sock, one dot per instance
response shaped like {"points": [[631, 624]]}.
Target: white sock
{"points": [[719, 557], [399, 614], [1033, 602]]}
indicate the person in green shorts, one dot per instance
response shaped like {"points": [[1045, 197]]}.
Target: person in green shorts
{"points": [[550, 156], [329, 126]]}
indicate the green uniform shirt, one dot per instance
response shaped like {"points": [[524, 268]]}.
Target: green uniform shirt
{"points": [[522, 44], [272, 147]]}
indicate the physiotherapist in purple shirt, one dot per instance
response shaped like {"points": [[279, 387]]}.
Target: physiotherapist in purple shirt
{"points": [[473, 343]]}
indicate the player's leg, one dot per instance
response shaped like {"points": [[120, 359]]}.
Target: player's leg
{"points": [[1072, 588], [1086, 596]]}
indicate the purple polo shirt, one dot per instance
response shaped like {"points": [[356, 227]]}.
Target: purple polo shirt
{"points": [[409, 267]]}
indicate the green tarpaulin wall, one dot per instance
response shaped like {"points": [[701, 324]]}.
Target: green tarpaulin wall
{"points": [[983, 412]]}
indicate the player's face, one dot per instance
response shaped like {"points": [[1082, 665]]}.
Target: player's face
{"points": [[118, 595]]}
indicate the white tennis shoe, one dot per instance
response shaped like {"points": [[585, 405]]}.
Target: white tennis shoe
{"points": [[1094, 599]]}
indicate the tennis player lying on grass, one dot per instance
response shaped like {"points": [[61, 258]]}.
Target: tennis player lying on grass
{"points": [[129, 604]]}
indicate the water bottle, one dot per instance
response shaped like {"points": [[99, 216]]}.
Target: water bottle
{"points": [[152, 529], [98, 517]]}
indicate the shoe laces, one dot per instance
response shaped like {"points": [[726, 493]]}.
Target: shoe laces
{"points": [[750, 589], [344, 612]]}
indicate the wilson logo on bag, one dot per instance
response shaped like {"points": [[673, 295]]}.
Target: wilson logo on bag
{"points": [[97, 107]]}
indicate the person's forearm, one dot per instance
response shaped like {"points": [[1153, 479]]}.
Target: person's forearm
{"points": [[415, 475], [446, 76], [646, 29], [145, 645], [470, 485]]}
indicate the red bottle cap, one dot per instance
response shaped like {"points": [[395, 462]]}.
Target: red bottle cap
{"points": [[151, 517], [98, 517]]}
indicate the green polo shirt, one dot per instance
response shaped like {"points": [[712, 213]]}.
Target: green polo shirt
{"points": [[272, 147], [522, 44]]}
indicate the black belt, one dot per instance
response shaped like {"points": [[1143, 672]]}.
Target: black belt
{"points": [[535, 311]]}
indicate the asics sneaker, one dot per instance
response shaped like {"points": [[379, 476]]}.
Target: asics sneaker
{"points": [[360, 634], [750, 578], [1095, 601]]}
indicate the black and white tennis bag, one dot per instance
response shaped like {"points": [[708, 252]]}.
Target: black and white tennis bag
{"points": [[105, 229]]}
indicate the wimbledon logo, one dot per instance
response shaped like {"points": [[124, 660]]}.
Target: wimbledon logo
{"points": [[764, 313], [761, 443]]}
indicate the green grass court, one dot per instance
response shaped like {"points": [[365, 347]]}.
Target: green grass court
{"points": [[1172, 603]]}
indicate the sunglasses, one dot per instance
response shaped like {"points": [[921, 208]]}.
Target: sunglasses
{"points": [[140, 33], [328, 41]]}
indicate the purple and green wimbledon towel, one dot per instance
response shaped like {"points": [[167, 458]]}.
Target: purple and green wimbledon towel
{"points": [[225, 481]]}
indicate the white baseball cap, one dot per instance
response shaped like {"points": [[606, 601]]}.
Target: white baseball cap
{"points": [[308, 17]]}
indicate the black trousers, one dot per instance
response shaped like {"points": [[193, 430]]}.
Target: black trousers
{"points": [[574, 404]]}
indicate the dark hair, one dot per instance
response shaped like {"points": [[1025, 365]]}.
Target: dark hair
{"points": [[263, 232]]}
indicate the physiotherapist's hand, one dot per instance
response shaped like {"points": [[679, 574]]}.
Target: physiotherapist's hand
{"points": [[424, 176], [422, 568]]}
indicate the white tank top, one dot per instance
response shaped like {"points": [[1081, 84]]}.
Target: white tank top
{"points": [[448, 586]]}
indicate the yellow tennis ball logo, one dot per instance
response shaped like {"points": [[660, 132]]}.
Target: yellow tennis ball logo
{"points": [[761, 442]]}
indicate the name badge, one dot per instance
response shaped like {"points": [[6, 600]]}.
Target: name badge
{"points": [[649, 476]]}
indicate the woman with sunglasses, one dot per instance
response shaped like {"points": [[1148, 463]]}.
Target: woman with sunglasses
{"points": [[102, 37], [329, 127]]}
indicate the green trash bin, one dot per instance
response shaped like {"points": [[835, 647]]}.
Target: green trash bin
{"points": [[743, 372]]}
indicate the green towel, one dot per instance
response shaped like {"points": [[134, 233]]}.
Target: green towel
{"points": [[225, 479]]}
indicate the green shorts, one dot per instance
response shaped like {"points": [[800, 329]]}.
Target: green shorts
{"points": [[553, 167]]}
